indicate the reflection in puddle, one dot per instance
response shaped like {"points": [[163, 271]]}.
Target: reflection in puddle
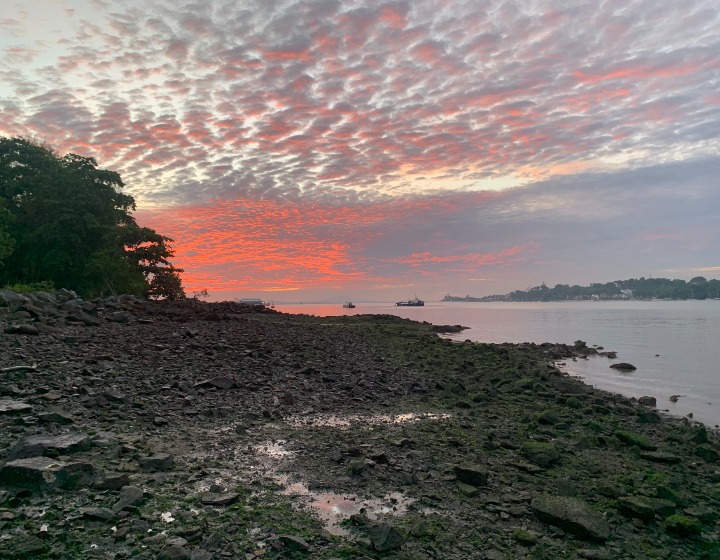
{"points": [[332, 508], [332, 421]]}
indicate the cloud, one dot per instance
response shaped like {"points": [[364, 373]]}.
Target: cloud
{"points": [[607, 221]]}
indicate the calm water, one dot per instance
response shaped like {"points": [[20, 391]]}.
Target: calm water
{"points": [[674, 344]]}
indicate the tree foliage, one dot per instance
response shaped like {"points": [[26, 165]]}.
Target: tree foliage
{"points": [[64, 220]]}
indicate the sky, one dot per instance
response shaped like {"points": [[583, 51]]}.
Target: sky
{"points": [[322, 150]]}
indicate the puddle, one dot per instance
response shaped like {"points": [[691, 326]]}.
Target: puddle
{"points": [[333, 508], [332, 421], [265, 461]]}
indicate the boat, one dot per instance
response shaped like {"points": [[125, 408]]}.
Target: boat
{"points": [[415, 302], [349, 305]]}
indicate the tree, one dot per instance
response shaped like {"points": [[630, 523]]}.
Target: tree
{"points": [[7, 243], [70, 224]]}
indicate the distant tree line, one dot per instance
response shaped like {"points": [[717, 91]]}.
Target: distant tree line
{"points": [[65, 223], [641, 288]]}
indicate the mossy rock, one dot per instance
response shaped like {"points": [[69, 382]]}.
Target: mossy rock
{"points": [[700, 435], [548, 417], [573, 402], [667, 493], [644, 508], [682, 526], [708, 453], [540, 453], [572, 515], [528, 538], [635, 440]]}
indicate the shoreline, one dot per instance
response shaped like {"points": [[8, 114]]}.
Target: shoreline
{"points": [[209, 413]]}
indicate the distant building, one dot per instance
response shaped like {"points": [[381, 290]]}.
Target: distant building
{"points": [[252, 301]]}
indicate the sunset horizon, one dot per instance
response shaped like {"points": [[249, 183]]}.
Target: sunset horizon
{"points": [[346, 149]]}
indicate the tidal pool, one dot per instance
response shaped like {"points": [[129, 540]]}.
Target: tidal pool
{"points": [[333, 508]]}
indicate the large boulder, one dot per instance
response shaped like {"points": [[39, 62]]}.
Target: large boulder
{"points": [[9, 406], [572, 515], [36, 446], [540, 453], [44, 472], [642, 507], [385, 537], [471, 474]]}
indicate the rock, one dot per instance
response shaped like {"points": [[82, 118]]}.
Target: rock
{"points": [[44, 472], [471, 474], [218, 382], [649, 417], [540, 453], [9, 391], [291, 542], [22, 328], [159, 462], [218, 499], [623, 366], [174, 552], [129, 496], [707, 453], [661, 457], [200, 554], [118, 317], [22, 546], [35, 446], [114, 396], [112, 481], [648, 401], [644, 508], [86, 319], [548, 417], [385, 537], [633, 439], [55, 415], [592, 554], [528, 538], [682, 526], [101, 514], [8, 406], [572, 515], [468, 490]]}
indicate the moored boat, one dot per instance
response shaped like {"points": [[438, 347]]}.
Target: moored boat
{"points": [[415, 302], [349, 305]]}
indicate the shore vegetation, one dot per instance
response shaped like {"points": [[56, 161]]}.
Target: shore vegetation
{"points": [[633, 288], [65, 222]]}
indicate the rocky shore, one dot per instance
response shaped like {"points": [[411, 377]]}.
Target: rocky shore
{"points": [[191, 430]]}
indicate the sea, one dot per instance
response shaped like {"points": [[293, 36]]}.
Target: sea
{"points": [[675, 345]]}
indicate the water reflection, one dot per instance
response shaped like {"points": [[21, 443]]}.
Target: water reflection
{"points": [[333, 508]]}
